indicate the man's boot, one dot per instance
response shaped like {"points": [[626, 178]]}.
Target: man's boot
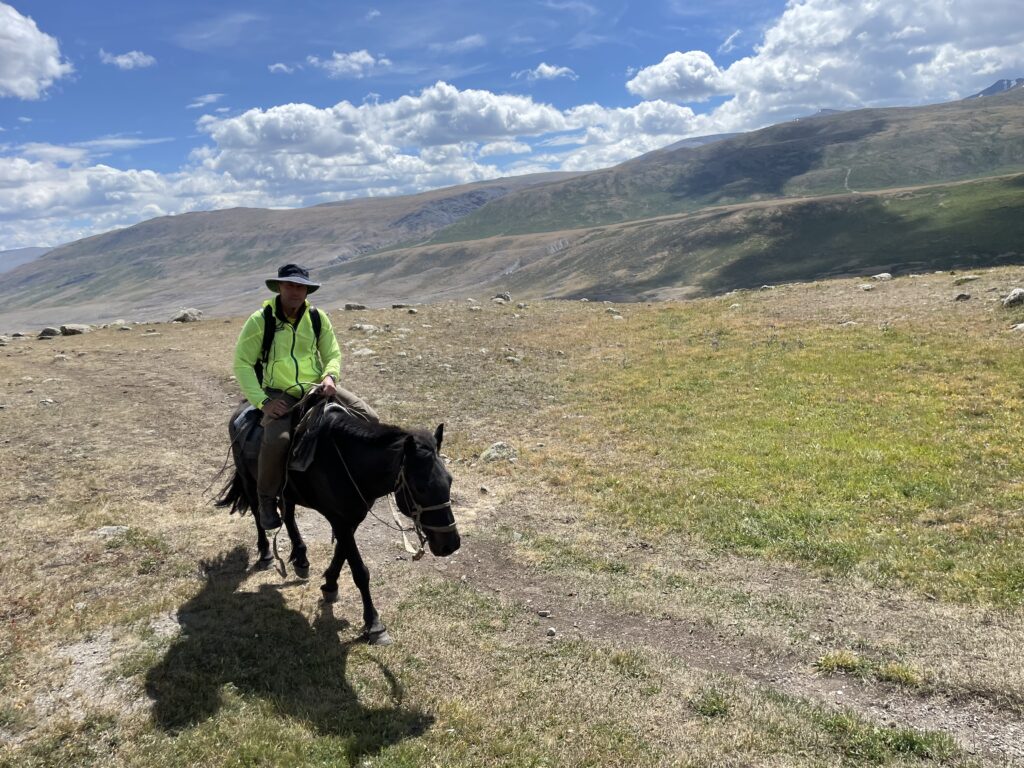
{"points": [[270, 518]]}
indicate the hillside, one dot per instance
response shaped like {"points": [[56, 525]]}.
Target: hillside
{"points": [[206, 258], [834, 194], [18, 256], [718, 249], [864, 150]]}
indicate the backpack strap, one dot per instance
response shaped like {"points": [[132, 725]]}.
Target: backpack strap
{"points": [[314, 317], [269, 327]]}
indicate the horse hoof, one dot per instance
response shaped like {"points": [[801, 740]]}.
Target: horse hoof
{"points": [[329, 595], [303, 573], [379, 638]]}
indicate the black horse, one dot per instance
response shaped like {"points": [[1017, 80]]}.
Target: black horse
{"points": [[354, 463]]}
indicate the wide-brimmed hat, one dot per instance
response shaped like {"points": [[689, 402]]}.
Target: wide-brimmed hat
{"points": [[291, 273]]}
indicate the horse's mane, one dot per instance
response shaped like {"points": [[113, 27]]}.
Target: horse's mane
{"points": [[342, 424]]}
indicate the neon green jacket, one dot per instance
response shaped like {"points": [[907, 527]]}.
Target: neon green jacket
{"points": [[296, 362]]}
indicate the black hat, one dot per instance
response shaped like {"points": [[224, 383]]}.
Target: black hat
{"points": [[291, 273]]}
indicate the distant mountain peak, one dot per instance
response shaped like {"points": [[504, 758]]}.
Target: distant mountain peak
{"points": [[1000, 86]]}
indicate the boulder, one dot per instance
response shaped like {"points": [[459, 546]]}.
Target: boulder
{"points": [[189, 315], [962, 297], [353, 306], [503, 295], [399, 306], [74, 329], [882, 276], [48, 333], [1014, 298], [365, 327]]}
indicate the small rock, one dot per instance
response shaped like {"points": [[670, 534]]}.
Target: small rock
{"points": [[363, 352], [74, 329], [365, 327], [48, 333], [552, 632], [499, 452], [966, 279], [618, 317], [544, 614], [125, 328], [353, 306], [60, 358], [1018, 327], [399, 306], [1014, 297], [767, 287], [108, 531], [504, 295], [18, 335], [47, 401], [848, 324], [484, 489], [866, 287], [189, 315], [612, 311], [962, 297], [413, 311], [475, 308], [584, 300], [882, 276], [521, 305], [734, 306], [498, 300]]}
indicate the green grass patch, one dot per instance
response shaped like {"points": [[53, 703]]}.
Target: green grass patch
{"points": [[894, 454], [846, 662]]}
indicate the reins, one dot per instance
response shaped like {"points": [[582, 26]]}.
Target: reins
{"points": [[401, 484]]}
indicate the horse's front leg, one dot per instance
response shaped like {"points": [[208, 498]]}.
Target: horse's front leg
{"points": [[262, 544], [373, 628], [329, 589], [298, 557]]}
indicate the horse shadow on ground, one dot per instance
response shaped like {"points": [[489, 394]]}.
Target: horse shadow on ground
{"points": [[255, 643]]}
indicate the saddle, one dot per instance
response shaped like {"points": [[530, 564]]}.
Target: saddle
{"points": [[309, 417]]}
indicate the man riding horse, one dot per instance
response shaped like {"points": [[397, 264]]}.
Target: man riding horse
{"points": [[286, 349]]}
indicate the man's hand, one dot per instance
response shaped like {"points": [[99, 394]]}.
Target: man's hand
{"points": [[275, 409], [328, 387]]}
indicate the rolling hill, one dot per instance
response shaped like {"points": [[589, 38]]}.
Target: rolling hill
{"points": [[841, 193]]}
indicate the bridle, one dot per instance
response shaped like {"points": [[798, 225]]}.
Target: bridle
{"points": [[402, 486]]}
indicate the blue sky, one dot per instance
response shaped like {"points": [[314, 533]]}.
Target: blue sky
{"points": [[111, 113]]}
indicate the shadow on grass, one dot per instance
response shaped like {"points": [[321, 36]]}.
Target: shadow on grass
{"points": [[255, 643]]}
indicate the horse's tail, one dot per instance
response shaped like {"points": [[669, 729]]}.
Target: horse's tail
{"points": [[233, 495]]}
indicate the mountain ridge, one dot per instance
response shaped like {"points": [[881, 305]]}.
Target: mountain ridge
{"points": [[461, 240]]}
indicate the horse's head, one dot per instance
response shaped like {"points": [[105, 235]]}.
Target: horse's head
{"points": [[424, 492]]}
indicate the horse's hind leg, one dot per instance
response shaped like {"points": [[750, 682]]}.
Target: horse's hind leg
{"points": [[329, 589], [373, 628], [298, 557]]}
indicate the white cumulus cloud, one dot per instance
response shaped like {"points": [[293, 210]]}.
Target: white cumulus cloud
{"points": [[130, 60], [690, 76], [30, 60], [545, 72], [355, 64], [840, 54]]}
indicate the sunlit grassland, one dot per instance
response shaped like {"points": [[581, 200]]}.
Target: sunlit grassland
{"points": [[890, 452]]}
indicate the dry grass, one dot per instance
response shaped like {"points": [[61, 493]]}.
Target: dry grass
{"points": [[135, 633]]}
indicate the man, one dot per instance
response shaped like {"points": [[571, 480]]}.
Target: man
{"points": [[303, 354]]}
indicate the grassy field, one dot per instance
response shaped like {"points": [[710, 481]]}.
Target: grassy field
{"points": [[773, 528]]}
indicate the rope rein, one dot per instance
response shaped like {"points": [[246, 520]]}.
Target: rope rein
{"points": [[401, 484]]}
